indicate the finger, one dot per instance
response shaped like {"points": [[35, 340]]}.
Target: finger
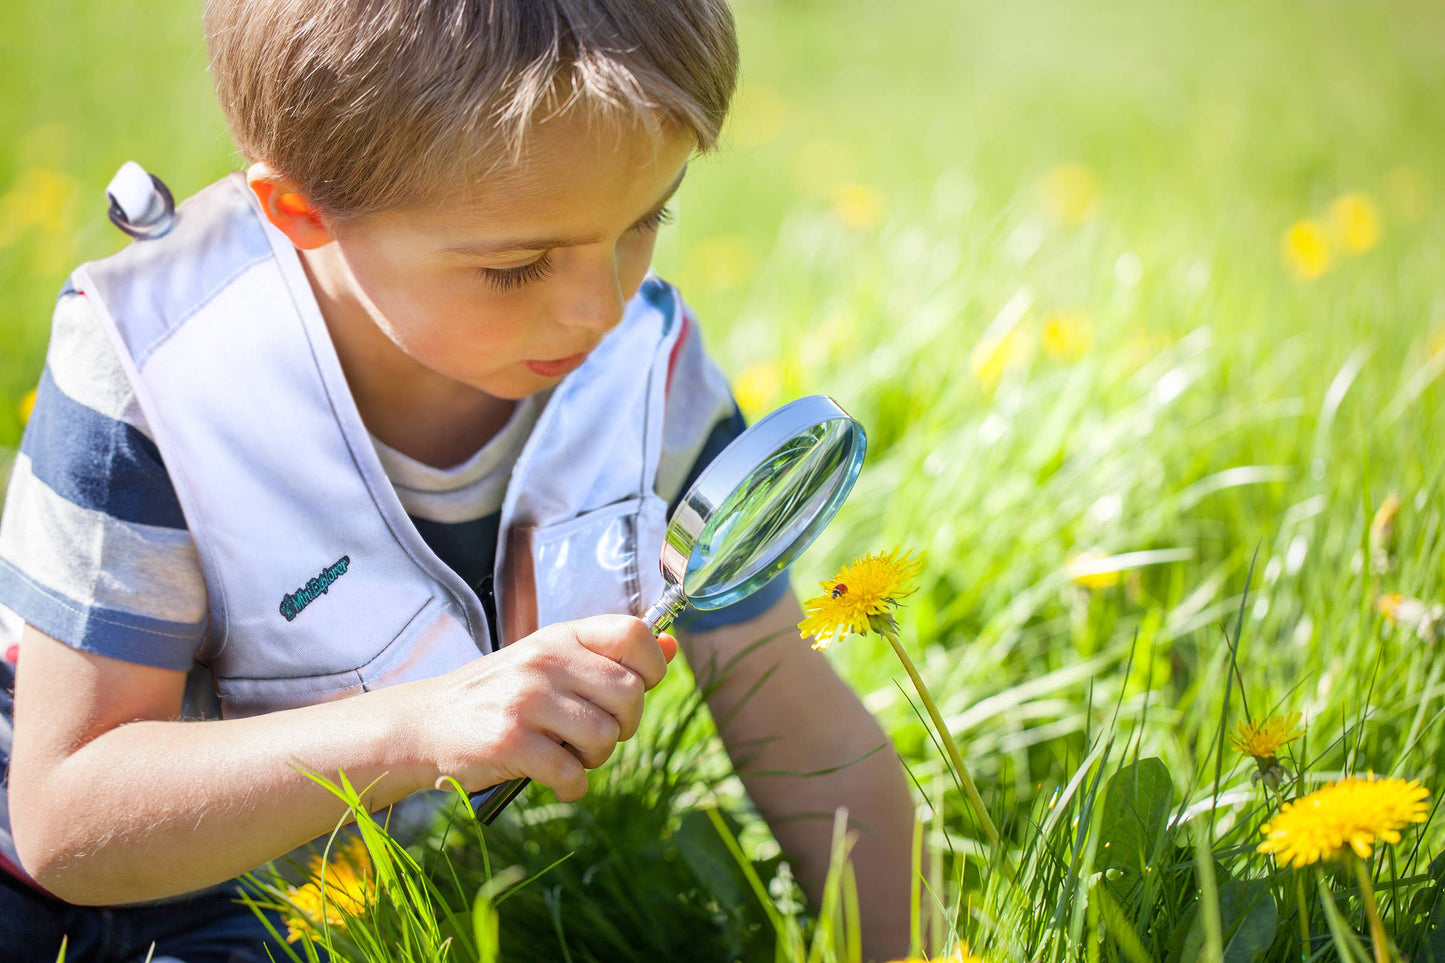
{"points": [[625, 640], [615, 689], [560, 771], [589, 732], [539, 758], [669, 646]]}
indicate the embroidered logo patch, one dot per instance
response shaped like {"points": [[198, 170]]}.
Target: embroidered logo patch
{"points": [[292, 604]]}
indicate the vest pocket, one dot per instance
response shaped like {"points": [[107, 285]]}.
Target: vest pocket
{"points": [[600, 562]]}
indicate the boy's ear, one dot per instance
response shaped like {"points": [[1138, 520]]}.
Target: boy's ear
{"points": [[287, 208]]}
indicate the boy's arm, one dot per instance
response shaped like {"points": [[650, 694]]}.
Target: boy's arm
{"points": [[114, 801], [805, 719]]}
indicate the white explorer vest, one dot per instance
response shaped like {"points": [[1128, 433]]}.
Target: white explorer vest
{"points": [[319, 585]]}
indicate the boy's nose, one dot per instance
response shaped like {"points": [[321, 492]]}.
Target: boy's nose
{"points": [[596, 300]]}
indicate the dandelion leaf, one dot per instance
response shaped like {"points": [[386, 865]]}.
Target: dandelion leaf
{"points": [[1136, 814], [1248, 919], [709, 859]]}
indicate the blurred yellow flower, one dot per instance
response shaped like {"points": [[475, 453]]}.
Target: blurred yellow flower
{"points": [[1306, 250], [990, 361], [1354, 223], [758, 387], [1382, 534], [1436, 344], [348, 884], [39, 198], [1092, 569], [26, 406], [1353, 813], [859, 206], [1071, 193], [860, 597], [1066, 335], [1382, 526], [1425, 619]]}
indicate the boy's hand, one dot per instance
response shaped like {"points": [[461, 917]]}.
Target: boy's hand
{"points": [[549, 706]]}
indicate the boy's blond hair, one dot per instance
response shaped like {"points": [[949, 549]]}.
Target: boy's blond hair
{"points": [[372, 105]]}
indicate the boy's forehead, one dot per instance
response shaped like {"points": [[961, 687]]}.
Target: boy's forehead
{"points": [[571, 171], [567, 147]]}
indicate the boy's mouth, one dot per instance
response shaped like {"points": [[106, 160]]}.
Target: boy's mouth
{"points": [[554, 369]]}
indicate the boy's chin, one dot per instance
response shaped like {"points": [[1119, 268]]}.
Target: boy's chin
{"points": [[515, 387]]}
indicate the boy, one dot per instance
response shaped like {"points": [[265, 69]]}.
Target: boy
{"points": [[370, 436]]}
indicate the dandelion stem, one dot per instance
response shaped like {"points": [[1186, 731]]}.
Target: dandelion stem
{"points": [[1372, 912], [1304, 916], [955, 758]]}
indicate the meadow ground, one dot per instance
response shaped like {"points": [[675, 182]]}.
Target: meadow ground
{"points": [[1142, 307]]}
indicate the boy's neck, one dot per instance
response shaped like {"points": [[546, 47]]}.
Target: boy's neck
{"points": [[420, 413]]}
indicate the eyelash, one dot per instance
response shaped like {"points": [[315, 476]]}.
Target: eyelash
{"points": [[508, 279]]}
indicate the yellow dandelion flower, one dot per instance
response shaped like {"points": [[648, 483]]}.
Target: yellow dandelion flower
{"points": [[348, 883], [1355, 223], [859, 206], [1071, 193], [26, 406], [1306, 250], [860, 596], [1262, 741], [1353, 814], [1092, 570]]}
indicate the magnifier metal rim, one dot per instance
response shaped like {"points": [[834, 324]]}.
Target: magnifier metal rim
{"points": [[732, 467]]}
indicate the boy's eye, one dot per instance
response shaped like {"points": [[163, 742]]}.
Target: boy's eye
{"points": [[653, 221], [506, 279]]}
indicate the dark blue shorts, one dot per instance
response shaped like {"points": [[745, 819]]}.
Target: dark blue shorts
{"points": [[210, 927]]}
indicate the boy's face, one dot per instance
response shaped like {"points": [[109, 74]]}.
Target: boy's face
{"points": [[509, 291]]}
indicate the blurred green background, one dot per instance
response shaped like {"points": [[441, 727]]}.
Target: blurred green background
{"points": [[1157, 285], [1200, 132]]}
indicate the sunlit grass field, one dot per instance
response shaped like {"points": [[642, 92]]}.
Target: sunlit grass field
{"points": [[1143, 307]]}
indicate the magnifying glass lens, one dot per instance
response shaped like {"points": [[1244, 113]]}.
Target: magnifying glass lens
{"points": [[774, 514]]}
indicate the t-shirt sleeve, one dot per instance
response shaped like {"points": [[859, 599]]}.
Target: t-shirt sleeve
{"points": [[94, 549], [700, 420]]}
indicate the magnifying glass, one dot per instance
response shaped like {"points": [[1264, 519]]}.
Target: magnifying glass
{"points": [[755, 508]]}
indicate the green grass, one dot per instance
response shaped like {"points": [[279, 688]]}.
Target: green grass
{"points": [[878, 228]]}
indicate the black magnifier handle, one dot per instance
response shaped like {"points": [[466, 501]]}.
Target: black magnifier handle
{"points": [[489, 803]]}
